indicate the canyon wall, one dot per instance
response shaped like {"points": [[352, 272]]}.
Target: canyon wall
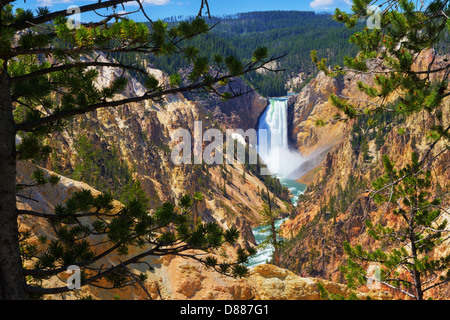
{"points": [[334, 207]]}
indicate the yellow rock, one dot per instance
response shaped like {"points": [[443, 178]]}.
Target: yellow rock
{"points": [[273, 283]]}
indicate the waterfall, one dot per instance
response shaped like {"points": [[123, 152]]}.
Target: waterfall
{"points": [[273, 148], [273, 144]]}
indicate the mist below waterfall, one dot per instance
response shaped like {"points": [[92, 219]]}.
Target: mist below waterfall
{"points": [[273, 146]]}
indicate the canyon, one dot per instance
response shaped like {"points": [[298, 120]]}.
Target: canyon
{"points": [[139, 134], [136, 140]]}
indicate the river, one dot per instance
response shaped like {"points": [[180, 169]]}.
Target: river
{"points": [[264, 254]]}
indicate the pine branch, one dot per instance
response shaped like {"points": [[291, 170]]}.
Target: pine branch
{"points": [[33, 125], [122, 48], [65, 216], [156, 251], [204, 3], [50, 50], [396, 288], [414, 169], [20, 25], [52, 272], [74, 65], [436, 284], [136, 279]]}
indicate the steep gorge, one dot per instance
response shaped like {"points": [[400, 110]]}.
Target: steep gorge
{"points": [[138, 137]]}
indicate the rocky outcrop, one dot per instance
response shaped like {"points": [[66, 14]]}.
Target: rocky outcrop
{"points": [[242, 112], [274, 283], [265, 282], [312, 105]]}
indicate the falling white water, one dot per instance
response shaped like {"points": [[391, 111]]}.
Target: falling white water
{"points": [[273, 144]]}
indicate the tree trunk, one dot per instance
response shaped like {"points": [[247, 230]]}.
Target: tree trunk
{"points": [[416, 273], [273, 231], [12, 281], [412, 239], [276, 255]]}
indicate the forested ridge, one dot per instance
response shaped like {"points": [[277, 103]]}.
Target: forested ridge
{"points": [[289, 33]]}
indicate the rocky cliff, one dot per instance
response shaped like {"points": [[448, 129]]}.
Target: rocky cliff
{"points": [[241, 112], [334, 206]]}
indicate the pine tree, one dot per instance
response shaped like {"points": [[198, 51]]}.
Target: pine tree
{"points": [[388, 54], [38, 97], [403, 36], [86, 167], [269, 217], [411, 266]]}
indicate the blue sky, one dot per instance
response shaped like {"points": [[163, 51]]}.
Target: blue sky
{"points": [[166, 8]]}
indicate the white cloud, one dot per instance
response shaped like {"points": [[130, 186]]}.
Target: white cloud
{"points": [[328, 4], [156, 2], [150, 2], [49, 3]]}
